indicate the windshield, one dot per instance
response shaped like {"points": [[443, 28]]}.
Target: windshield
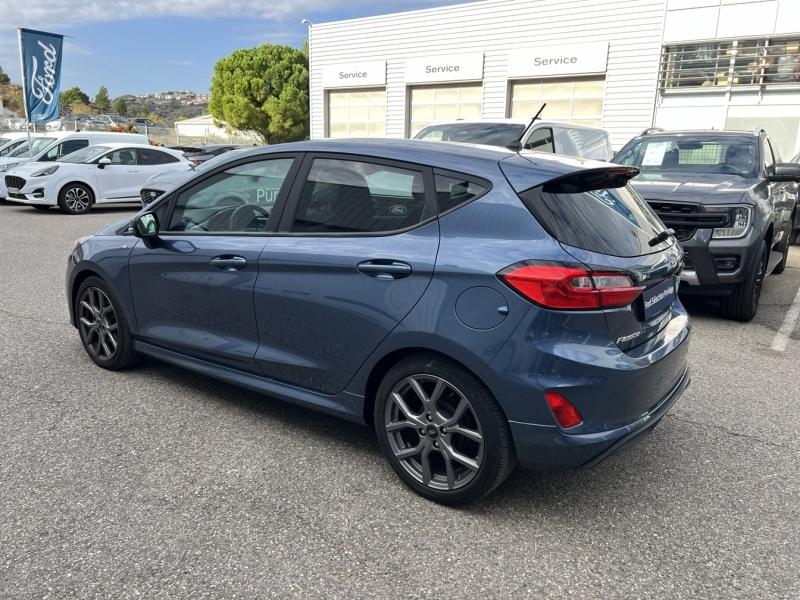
{"points": [[84, 154], [32, 149], [492, 134], [9, 147], [717, 154]]}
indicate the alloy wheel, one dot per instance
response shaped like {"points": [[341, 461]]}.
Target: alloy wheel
{"points": [[98, 323], [77, 199], [434, 432]]}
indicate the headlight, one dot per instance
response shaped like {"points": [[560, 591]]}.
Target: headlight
{"points": [[4, 168], [48, 171], [738, 224]]}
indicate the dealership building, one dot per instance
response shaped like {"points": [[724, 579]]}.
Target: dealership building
{"points": [[624, 65]]}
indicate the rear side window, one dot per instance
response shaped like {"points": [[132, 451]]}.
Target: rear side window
{"points": [[65, 148], [453, 191], [344, 196], [612, 221], [155, 157], [541, 140]]}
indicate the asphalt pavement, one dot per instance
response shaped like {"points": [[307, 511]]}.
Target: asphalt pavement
{"points": [[160, 483]]}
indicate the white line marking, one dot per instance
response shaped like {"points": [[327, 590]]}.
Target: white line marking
{"points": [[787, 327]]}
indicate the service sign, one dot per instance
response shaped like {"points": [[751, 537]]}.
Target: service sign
{"points": [[362, 74], [546, 61], [450, 67]]}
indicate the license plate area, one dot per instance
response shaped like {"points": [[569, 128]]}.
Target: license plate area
{"points": [[658, 298], [13, 190]]}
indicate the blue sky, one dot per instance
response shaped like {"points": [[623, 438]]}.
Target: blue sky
{"points": [[154, 45]]}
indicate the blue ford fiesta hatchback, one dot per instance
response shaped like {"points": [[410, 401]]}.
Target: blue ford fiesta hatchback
{"points": [[478, 306]]}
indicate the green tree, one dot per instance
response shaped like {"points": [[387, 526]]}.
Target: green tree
{"points": [[101, 101], [121, 107], [263, 90], [4, 78], [72, 96]]}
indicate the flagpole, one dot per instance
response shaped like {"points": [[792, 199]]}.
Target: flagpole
{"points": [[24, 90]]}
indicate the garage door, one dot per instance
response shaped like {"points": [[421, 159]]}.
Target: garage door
{"points": [[577, 101], [442, 103], [356, 113]]}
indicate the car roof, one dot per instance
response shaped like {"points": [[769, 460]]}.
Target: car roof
{"points": [[469, 158], [135, 145], [690, 132]]}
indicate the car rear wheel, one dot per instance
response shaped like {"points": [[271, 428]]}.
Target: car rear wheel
{"points": [[75, 198], [742, 304], [442, 431], [102, 326]]}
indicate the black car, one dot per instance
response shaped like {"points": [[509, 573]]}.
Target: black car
{"points": [[730, 202], [208, 151]]}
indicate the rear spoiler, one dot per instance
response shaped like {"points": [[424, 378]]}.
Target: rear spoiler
{"points": [[563, 175]]}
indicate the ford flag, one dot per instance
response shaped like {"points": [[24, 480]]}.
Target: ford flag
{"points": [[41, 73]]}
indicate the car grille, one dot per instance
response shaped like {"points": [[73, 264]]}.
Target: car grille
{"points": [[148, 195], [686, 218], [15, 182]]}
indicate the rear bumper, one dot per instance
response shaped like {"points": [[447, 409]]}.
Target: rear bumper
{"points": [[547, 447]]}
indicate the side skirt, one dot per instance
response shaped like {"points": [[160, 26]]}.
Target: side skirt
{"points": [[345, 405]]}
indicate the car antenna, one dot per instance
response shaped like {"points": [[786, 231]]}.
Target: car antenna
{"points": [[518, 144]]}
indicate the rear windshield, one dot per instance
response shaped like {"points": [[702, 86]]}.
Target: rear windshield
{"points": [[716, 154], [613, 221], [492, 134]]}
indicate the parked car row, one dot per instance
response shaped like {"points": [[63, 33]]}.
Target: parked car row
{"points": [[478, 306], [86, 122]]}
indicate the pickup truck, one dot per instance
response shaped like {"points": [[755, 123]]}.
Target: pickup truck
{"points": [[730, 203]]}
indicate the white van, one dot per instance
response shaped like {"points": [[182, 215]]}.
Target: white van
{"points": [[54, 145], [579, 141]]}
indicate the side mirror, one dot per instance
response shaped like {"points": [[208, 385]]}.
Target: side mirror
{"points": [[146, 226], [786, 172], [101, 164]]}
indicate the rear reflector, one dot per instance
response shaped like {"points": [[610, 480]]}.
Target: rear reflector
{"points": [[566, 287], [566, 414]]}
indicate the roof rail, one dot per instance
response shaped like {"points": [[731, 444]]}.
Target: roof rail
{"points": [[652, 130]]}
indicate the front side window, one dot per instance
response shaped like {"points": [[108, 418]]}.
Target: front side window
{"points": [[237, 200], [344, 196], [123, 156], [541, 140], [716, 154]]}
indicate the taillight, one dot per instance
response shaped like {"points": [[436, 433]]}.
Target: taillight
{"points": [[568, 287], [566, 414]]}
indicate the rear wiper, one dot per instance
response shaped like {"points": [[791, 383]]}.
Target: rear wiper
{"points": [[661, 237]]}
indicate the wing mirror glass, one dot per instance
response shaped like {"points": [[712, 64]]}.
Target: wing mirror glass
{"points": [[101, 164], [786, 172], [145, 226]]}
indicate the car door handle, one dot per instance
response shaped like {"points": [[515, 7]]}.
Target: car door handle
{"points": [[228, 262], [385, 269]]}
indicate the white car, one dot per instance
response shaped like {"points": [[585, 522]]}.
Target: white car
{"points": [[11, 141], [52, 146], [106, 173]]}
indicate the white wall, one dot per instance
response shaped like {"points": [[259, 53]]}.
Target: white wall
{"points": [[633, 29]]}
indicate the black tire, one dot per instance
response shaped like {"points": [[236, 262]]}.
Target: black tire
{"points": [[491, 460], [41, 206], [742, 304], [75, 199], [793, 235], [784, 250], [96, 325]]}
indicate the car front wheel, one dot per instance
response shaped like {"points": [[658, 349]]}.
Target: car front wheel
{"points": [[75, 198], [742, 304], [102, 326], [442, 431]]}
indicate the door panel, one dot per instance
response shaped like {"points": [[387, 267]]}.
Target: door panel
{"points": [[186, 303], [320, 316], [120, 180]]}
